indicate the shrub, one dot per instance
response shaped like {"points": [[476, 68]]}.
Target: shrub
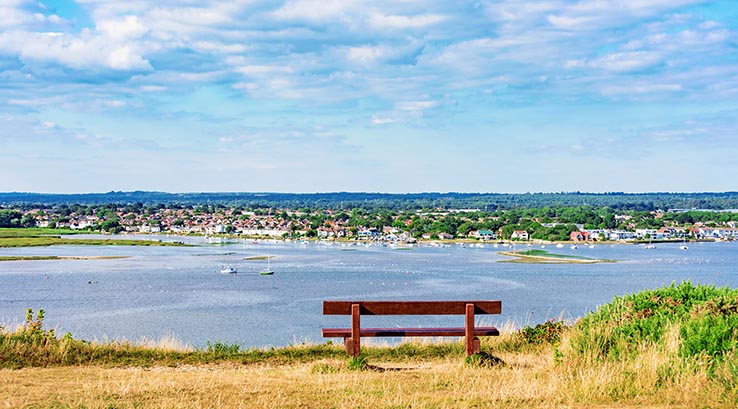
{"points": [[549, 332], [707, 317], [221, 349]]}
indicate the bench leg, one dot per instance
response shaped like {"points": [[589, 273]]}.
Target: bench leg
{"points": [[353, 345], [469, 331], [349, 344]]}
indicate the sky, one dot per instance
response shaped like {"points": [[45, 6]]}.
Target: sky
{"points": [[368, 96]]}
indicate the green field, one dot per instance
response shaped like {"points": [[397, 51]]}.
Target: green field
{"points": [[38, 237], [34, 232]]}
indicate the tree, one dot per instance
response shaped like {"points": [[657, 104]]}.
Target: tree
{"points": [[111, 226], [10, 218], [464, 229], [28, 220]]}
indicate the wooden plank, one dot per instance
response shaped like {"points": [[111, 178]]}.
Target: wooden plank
{"points": [[410, 332], [469, 329], [412, 307], [355, 330]]}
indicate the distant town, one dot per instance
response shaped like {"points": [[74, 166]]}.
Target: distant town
{"points": [[576, 224]]}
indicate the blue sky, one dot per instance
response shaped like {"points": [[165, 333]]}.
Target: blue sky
{"points": [[382, 96]]}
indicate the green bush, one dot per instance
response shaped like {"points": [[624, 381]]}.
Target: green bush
{"points": [[221, 349], [706, 315], [549, 332]]}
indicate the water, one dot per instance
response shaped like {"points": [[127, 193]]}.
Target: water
{"points": [[179, 292]]}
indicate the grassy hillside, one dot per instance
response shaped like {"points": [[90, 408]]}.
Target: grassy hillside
{"points": [[670, 347]]}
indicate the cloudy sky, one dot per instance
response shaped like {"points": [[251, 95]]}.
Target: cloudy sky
{"points": [[383, 96]]}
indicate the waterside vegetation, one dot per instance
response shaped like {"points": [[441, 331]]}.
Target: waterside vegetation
{"points": [[670, 347], [534, 256], [38, 237]]}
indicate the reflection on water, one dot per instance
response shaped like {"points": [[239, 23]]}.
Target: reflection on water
{"points": [[179, 291]]}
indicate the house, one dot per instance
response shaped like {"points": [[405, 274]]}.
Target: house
{"points": [[579, 236], [649, 233], [445, 236], [483, 234], [368, 233], [519, 235]]}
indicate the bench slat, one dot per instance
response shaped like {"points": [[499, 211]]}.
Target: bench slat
{"points": [[411, 307], [409, 332]]}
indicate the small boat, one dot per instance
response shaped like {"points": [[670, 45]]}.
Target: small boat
{"points": [[574, 247], [268, 270], [228, 270]]}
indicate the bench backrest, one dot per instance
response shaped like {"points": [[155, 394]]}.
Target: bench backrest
{"points": [[411, 307]]}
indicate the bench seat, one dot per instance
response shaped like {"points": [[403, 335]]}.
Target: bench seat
{"points": [[410, 332]]}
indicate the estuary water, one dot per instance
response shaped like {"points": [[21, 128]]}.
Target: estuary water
{"points": [[179, 292]]}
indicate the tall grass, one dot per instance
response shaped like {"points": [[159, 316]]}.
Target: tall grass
{"points": [[670, 347], [672, 341]]}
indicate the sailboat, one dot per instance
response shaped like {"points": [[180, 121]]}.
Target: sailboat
{"points": [[268, 270], [684, 245], [227, 268], [650, 245]]}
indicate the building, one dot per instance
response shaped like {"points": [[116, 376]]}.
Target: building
{"points": [[519, 235], [579, 236]]}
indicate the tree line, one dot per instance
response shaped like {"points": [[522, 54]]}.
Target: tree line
{"points": [[408, 201]]}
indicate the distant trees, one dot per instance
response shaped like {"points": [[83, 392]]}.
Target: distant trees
{"points": [[10, 218]]}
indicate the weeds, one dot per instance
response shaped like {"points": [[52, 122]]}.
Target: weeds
{"points": [[221, 349], [358, 363], [549, 332]]}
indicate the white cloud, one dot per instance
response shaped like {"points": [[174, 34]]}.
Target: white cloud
{"points": [[86, 50], [153, 88], [125, 58], [313, 10], [416, 105], [129, 27], [570, 22], [620, 62], [383, 21], [366, 54], [381, 120], [263, 69], [639, 89], [19, 14]]}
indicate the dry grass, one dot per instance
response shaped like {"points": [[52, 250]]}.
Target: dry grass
{"points": [[414, 375], [526, 379]]}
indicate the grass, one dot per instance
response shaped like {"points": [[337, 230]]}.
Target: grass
{"points": [[6, 232], [57, 241], [40, 237], [543, 256], [614, 357]]}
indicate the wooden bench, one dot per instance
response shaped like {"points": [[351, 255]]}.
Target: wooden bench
{"points": [[356, 309]]}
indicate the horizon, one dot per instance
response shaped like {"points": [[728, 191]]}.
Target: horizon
{"points": [[373, 192], [351, 96]]}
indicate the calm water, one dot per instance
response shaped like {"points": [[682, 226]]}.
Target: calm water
{"points": [[177, 291]]}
